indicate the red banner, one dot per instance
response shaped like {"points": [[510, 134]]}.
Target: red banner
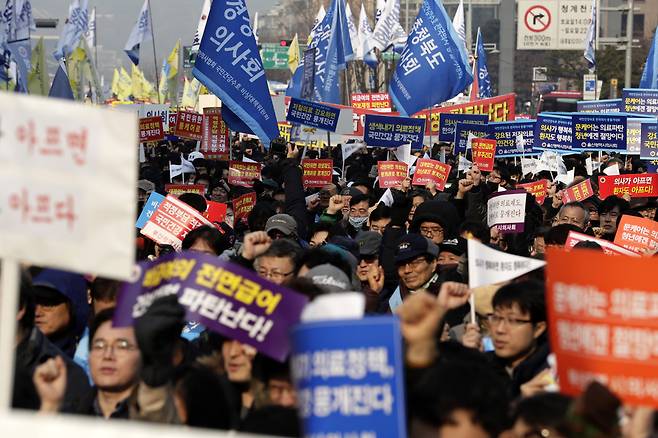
{"points": [[216, 211], [538, 189], [484, 151], [178, 189], [150, 129], [603, 323], [637, 233], [189, 125], [171, 222], [242, 206], [317, 173], [431, 171], [243, 174], [173, 118], [608, 247], [578, 193], [391, 173], [639, 185], [380, 102], [215, 141]]}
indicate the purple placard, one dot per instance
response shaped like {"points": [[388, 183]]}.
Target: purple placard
{"points": [[226, 298], [506, 211]]}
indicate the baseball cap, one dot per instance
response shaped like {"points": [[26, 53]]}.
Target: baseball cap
{"points": [[146, 185], [351, 191], [414, 245], [282, 222], [455, 246], [369, 242], [329, 278]]}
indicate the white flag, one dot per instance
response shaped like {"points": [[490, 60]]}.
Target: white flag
{"points": [[203, 19], [318, 19], [612, 170], [464, 164], [365, 33], [458, 22], [566, 178], [387, 198], [255, 27], [354, 32], [387, 29], [488, 266], [74, 27], [349, 148], [90, 34], [141, 32], [529, 165], [520, 143]]}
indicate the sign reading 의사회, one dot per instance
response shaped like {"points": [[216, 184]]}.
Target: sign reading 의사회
{"points": [[599, 132], [313, 114], [553, 133], [506, 210], [507, 135], [448, 123], [317, 173], [389, 131], [637, 100]]}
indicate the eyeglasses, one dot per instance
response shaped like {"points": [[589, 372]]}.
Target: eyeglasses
{"points": [[415, 263], [494, 320], [274, 275], [367, 258], [431, 230], [119, 347]]}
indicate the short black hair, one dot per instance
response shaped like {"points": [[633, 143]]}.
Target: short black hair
{"points": [[612, 201], [195, 201], [382, 211], [205, 397], [321, 256], [359, 198], [477, 229], [588, 244], [528, 295], [212, 237], [542, 410], [104, 289], [100, 318], [285, 248], [558, 234]]}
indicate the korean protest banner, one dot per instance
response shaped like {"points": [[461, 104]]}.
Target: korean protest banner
{"points": [[150, 129], [649, 141], [178, 189], [215, 143], [608, 247], [638, 100], [484, 151], [599, 132], [349, 377], [553, 133], [242, 206], [68, 185], [448, 122], [152, 203], [317, 173], [284, 130], [216, 211], [639, 185], [602, 325], [462, 131], [637, 233], [490, 266], [506, 135], [313, 114], [380, 102], [538, 189], [389, 131], [225, 297], [506, 210], [172, 120], [391, 173], [171, 222], [578, 192], [189, 125], [431, 171], [633, 136], [156, 110], [243, 174], [600, 106]]}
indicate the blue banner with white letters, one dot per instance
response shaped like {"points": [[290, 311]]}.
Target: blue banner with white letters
{"points": [[599, 132], [391, 131], [448, 122], [152, 204], [462, 130], [600, 106], [553, 133], [649, 141], [313, 114], [508, 136], [638, 100], [229, 65]]}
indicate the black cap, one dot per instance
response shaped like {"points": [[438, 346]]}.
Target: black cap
{"points": [[369, 243], [413, 245]]}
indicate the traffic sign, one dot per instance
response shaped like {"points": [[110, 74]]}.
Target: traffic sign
{"points": [[275, 56], [553, 24], [537, 18]]}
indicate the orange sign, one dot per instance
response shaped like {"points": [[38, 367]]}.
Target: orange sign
{"points": [[637, 233], [579, 192], [538, 189], [391, 173], [484, 151], [428, 171], [317, 173]]}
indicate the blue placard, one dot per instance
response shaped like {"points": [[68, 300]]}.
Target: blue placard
{"points": [[649, 141], [462, 130], [313, 114], [349, 377], [391, 131], [505, 134], [553, 133], [652, 166], [599, 132], [152, 204], [447, 122], [638, 100], [600, 106]]}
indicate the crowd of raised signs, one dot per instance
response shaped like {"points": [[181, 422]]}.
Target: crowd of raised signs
{"points": [[311, 300]]}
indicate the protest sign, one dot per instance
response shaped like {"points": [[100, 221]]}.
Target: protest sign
{"points": [[578, 192], [506, 133], [636, 185], [603, 325], [349, 377], [608, 247], [189, 125], [600, 106], [506, 210], [637, 234], [171, 222], [216, 211], [68, 185], [484, 150], [642, 101], [172, 119], [648, 141], [178, 189], [529, 166], [431, 171], [553, 133], [599, 132], [225, 297], [633, 136], [150, 129], [156, 110], [242, 206], [489, 266], [538, 189], [380, 102], [462, 132], [389, 131], [284, 130], [391, 173], [448, 122], [317, 173], [215, 143], [152, 203], [313, 114], [243, 174]]}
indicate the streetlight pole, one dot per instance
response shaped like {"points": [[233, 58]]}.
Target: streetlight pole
{"points": [[629, 44]]}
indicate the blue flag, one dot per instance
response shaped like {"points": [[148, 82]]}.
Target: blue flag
{"points": [[21, 53], [140, 33], [229, 65], [76, 25], [484, 80], [61, 86], [434, 65], [650, 74], [590, 39]]}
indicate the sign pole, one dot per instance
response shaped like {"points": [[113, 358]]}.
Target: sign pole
{"points": [[9, 289]]}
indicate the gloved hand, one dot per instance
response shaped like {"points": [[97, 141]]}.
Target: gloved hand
{"points": [[157, 331]]}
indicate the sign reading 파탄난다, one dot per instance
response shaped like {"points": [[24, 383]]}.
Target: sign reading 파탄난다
{"points": [[68, 185]]}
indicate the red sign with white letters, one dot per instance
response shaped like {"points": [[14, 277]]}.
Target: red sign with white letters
{"points": [[215, 143], [150, 129], [189, 125], [639, 185]]}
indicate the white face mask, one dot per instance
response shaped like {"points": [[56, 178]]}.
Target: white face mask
{"points": [[357, 222]]}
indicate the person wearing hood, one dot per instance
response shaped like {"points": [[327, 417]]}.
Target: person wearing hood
{"points": [[435, 220]]}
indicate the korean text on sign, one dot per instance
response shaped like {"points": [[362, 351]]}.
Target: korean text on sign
{"points": [[150, 129], [243, 174], [484, 152], [317, 173], [391, 173], [506, 135], [637, 234], [313, 114], [189, 125], [242, 206], [506, 210], [638, 185], [599, 132], [538, 189], [641, 101], [215, 143], [389, 131], [578, 192], [431, 171], [608, 247]]}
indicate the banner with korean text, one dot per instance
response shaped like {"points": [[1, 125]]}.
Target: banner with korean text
{"points": [[637, 185], [388, 131], [431, 171]]}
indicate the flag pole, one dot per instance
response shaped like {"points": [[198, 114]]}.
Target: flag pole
{"points": [[155, 58]]}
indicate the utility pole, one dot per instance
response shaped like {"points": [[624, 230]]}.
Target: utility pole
{"points": [[469, 26], [629, 44]]}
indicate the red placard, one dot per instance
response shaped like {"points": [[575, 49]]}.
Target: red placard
{"points": [[173, 118], [242, 206], [380, 102], [215, 142], [317, 173], [428, 171], [150, 129], [189, 125], [484, 151], [216, 211], [391, 173], [243, 174], [178, 189], [638, 185], [171, 222], [578, 193], [538, 189], [637, 233], [608, 247], [603, 323]]}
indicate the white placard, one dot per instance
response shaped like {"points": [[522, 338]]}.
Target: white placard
{"points": [[489, 266], [507, 210], [153, 110]]}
